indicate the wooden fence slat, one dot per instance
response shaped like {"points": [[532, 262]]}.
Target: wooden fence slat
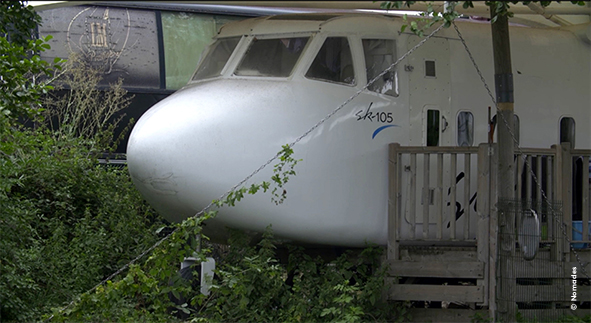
{"points": [[542, 293], [493, 234], [393, 225], [585, 198], [567, 162], [449, 269], [439, 204], [467, 172], [550, 196], [449, 293], [518, 177], [446, 315], [426, 195], [538, 184], [483, 212], [528, 178], [452, 199], [413, 194]]}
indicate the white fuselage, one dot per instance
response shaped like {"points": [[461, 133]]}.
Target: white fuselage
{"points": [[198, 143]]}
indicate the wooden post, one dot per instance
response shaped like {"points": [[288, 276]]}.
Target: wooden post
{"points": [[567, 198], [467, 167], [585, 199], [483, 207], [452, 199], [558, 182], [505, 187], [393, 203], [425, 193], [494, 233]]}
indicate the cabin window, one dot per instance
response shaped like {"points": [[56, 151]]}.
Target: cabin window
{"points": [[333, 62], [379, 55], [185, 36], [465, 129], [216, 58], [430, 69], [433, 127], [271, 57], [567, 130]]}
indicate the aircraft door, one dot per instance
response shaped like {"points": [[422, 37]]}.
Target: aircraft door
{"points": [[429, 86], [430, 124]]}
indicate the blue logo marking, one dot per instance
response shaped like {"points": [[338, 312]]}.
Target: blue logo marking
{"points": [[375, 133]]}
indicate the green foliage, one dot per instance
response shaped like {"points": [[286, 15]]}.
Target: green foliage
{"points": [[84, 110], [431, 16], [250, 286], [479, 318], [283, 170], [250, 283], [21, 68], [67, 222]]}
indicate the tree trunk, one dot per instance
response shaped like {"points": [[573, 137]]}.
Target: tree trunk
{"points": [[505, 188]]}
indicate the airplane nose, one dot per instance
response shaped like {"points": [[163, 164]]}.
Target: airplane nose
{"points": [[196, 144], [152, 158]]}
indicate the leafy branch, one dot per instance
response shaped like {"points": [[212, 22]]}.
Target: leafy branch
{"points": [[430, 16]]}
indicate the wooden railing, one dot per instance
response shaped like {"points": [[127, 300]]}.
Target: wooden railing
{"points": [[443, 194], [446, 197]]}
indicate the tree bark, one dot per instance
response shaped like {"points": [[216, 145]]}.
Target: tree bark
{"points": [[505, 182]]}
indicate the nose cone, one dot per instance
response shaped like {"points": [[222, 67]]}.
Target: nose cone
{"points": [[196, 144]]}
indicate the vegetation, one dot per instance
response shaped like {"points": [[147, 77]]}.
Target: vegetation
{"points": [[251, 282], [431, 16], [68, 223]]}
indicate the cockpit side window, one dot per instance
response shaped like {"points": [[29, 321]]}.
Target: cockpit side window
{"points": [[379, 55], [216, 58], [271, 57], [333, 62]]}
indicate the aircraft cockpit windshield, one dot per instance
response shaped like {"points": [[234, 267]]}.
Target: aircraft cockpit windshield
{"points": [[275, 57], [278, 56], [216, 58]]}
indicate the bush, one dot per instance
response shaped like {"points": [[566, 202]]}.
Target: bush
{"points": [[67, 222], [251, 285]]}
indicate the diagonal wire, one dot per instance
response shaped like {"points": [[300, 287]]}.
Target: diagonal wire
{"points": [[269, 161], [562, 225]]}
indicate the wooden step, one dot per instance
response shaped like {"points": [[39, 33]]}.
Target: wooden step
{"points": [[455, 269], [449, 293]]}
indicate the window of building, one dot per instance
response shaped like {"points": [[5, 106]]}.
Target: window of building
{"points": [[465, 129], [271, 57], [185, 36], [333, 62], [216, 58], [567, 130], [379, 55], [433, 127]]}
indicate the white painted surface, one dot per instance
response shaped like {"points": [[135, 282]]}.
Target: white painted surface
{"points": [[198, 143]]}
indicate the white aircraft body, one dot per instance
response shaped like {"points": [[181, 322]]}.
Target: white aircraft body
{"points": [[265, 81]]}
